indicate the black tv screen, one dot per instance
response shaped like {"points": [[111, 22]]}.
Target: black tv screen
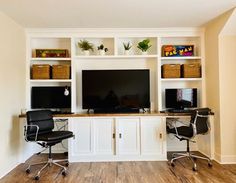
{"points": [[50, 97], [181, 98], [115, 89]]}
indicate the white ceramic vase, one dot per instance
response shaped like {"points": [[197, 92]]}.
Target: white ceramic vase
{"points": [[144, 52], [127, 52], [101, 52], [86, 52]]}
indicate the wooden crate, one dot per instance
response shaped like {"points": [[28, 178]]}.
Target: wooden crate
{"points": [[61, 71], [192, 70], [171, 71], [40, 71]]}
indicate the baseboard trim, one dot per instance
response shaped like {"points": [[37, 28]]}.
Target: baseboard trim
{"points": [[6, 171], [225, 159]]}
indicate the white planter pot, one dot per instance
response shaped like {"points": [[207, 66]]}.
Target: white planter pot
{"points": [[144, 52], [86, 52], [101, 52], [127, 52]]}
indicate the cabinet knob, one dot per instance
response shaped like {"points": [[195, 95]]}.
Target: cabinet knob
{"points": [[113, 136], [160, 135], [120, 135]]}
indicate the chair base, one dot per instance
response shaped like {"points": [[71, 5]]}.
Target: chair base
{"points": [[49, 163], [190, 156]]}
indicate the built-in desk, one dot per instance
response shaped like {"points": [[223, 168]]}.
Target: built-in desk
{"points": [[119, 137]]}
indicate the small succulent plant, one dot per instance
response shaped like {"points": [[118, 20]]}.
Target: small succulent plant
{"points": [[85, 45], [127, 46], [101, 47], [144, 45]]}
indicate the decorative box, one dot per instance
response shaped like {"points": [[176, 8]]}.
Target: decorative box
{"points": [[177, 50], [171, 71], [191, 70], [61, 72], [45, 53], [41, 71]]}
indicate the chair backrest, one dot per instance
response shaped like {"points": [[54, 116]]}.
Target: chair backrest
{"points": [[42, 118], [199, 120]]}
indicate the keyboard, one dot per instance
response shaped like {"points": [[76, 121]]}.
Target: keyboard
{"points": [[180, 110]]}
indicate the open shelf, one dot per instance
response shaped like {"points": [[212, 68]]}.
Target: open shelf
{"points": [[50, 59], [181, 58], [181, 79], [50, 80], [115, 56]]}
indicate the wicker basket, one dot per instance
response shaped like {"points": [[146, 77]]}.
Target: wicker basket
{"points": [[191, 70], [171, 71], [61, 72], [41, 71]]}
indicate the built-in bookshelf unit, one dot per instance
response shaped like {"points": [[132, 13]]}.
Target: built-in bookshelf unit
{"points": [[116, 58]]}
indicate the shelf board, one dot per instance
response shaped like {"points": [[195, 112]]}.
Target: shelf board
{"points": [[50, 59], [115, 56], [182, 58], [49, 80], [181, 79]]}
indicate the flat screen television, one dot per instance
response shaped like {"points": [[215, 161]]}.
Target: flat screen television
{"points": [[50, 98], [112, 91], [180, 98]]}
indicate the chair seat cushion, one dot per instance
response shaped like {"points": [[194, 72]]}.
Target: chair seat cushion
{"points": [[55, 136], [186, 131]]}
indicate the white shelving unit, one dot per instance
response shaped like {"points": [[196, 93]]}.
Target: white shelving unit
{"points": [[115, 58]]}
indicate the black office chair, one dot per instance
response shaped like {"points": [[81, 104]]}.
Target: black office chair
{"points": [[198, 125], [39, 129]]}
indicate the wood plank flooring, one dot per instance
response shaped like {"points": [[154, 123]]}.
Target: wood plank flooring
{"points": [[127, 172]]}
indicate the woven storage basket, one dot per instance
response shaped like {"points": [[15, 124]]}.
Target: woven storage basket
{"points": [[41, 71], [61, 72], [191, 70], [171, 71]]}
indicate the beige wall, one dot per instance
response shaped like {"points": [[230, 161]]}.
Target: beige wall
{"points": [[227, 64], [12, 90], [213, 30], [221, 86]]}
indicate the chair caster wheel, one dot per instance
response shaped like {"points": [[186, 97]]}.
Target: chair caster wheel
{"points": [[194, 169], [27, 170], [209, 164], [67, 164], [64, 173], [172, 164], [36, 177]]}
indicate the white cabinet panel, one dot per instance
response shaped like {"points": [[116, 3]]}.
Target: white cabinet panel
{"points": [[151, 135], [82, 129], [103, 136], [127, 136]]}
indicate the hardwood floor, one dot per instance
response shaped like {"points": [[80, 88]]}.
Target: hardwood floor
{"points": [[127, 172]]}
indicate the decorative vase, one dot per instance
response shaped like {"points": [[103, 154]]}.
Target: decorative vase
{"points": [[101, 52], [144, 52], [127, 52], [86, 52]]}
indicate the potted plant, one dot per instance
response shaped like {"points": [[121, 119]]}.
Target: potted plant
{"points": [[144, 46], [102, 50], [127, 47], [85, 46]]}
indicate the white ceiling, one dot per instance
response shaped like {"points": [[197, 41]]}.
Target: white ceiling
{"points": [[114, 13]]}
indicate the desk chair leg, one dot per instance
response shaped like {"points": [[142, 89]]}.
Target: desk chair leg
{"points": [[190, 156], [49, 163]]}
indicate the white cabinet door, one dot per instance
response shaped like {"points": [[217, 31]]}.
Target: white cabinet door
{"points": [[152, 135], [103, 136], [82, 144], [127, 136]]}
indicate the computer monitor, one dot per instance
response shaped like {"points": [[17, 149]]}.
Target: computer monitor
{"points": [[180, 98]]}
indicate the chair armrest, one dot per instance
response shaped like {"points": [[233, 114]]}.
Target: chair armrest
{"points": [[25, 132]]}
